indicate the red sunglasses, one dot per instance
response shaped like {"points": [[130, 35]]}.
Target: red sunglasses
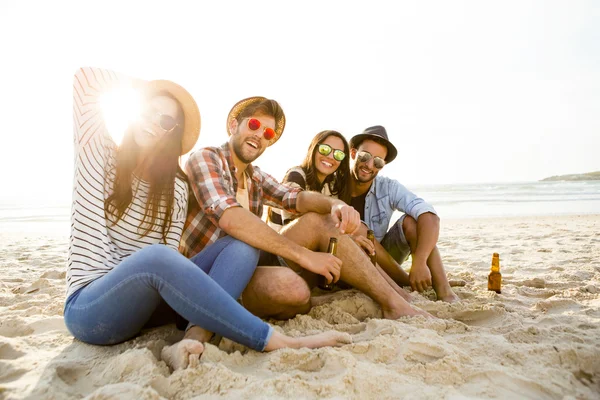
{"points": [[254, 124]]}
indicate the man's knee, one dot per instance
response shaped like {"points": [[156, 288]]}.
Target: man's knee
{"points": [[281, 286], [292, 289], [313, 219], [409, 227]]}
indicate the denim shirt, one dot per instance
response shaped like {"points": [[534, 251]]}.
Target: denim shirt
{"points": [[384, 197]]}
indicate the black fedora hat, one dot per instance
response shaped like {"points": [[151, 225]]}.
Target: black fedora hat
{"points": [[380, 134]]}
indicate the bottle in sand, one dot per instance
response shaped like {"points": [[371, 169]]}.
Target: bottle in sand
{"points": [[371, 237], [495, 278], [332, 249]]}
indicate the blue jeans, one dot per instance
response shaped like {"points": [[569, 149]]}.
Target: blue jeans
{"points": [[203, 290]]}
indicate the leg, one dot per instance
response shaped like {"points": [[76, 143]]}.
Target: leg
{"points": [[230, 263], [388, 267], [434, 263], [313, 232], [276, 292], [95, 314]]}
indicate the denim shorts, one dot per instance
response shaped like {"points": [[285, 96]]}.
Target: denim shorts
{"points": [[395, 242]]}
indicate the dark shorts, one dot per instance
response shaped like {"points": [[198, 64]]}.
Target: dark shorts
{"points": [[267, 259], [395, 242]]}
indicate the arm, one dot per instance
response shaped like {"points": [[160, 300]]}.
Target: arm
{"points": [[247, 227], [89, 84], [278, 217], [428, 230], [347, 219], [214, 193]]}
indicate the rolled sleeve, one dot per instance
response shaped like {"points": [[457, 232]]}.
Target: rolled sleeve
{"points": [[278, 194], [406, 201], [211, 184]]}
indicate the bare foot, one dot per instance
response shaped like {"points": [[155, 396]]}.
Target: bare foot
{"points": [[405, 295], [181, 354], [449, 298], [198, 334]]}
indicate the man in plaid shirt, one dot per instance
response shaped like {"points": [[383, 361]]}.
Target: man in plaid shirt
{"points": [[230, 193]]}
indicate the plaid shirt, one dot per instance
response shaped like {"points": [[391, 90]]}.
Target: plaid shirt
{"points": [[213, 181]]}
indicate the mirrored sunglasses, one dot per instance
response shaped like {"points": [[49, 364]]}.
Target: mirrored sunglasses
{"points": [[326, 149], [254, 124], [365, 156], [166, 122]]}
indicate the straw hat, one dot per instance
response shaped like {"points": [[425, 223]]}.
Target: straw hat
{"points": [[241, 105], [191, 113]]}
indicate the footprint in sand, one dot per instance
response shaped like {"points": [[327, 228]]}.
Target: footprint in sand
{"points": [[14, 327], [489, 317], [8, 352], [374, 328], [423, 352], [557, 306], [70, 374], [295, 360], [9, 373]]}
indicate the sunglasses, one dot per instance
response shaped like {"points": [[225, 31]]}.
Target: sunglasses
{"points": [[365, 156], [254, 124], [166, 122], [326, 149]]}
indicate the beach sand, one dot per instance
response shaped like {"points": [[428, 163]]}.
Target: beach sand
{"points": [[539, 339]]}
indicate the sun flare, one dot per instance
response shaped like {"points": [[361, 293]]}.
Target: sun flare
{"points": [[120, 107]]}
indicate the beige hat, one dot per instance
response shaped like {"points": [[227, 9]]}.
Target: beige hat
{"points": [[241, 105], [191, 113]]}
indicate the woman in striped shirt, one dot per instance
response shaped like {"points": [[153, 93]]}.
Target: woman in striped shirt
{"points": [[325, 169], [129, 207]]}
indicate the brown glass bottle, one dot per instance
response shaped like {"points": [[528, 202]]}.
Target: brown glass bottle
{"points": [[371, 237], [495, 278], [332, 249]]}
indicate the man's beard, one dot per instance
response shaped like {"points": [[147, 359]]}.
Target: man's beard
{"points": [[237, 149], [356, 175]]}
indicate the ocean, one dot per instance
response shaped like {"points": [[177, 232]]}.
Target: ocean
{"points": [[451, 201]]}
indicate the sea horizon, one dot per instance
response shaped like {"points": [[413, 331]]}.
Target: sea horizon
{"points": [[451, 201]]}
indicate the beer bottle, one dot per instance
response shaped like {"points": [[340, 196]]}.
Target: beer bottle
{"points": [[495, 278], [371, 237], [332, 249]]}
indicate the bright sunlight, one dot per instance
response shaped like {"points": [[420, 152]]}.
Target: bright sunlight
{"points": [[121, 107]]}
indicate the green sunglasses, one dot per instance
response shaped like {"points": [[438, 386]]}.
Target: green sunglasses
{"points": [[326, 149]]}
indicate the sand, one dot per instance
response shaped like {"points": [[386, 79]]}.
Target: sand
{"points": [[539, 339]]}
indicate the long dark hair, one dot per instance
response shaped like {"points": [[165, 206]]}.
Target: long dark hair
{"points": [[338, 181], [159, 169]]}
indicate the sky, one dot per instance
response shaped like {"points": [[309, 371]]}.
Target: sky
{"points": [[469, 91]]}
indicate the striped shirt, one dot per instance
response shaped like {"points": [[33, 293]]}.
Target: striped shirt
{"points": [[212, 176], [295, 177], [97, 245]]}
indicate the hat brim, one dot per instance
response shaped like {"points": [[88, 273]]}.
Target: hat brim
{"points": [[241, 105], [392, 152], [191, 113]]}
